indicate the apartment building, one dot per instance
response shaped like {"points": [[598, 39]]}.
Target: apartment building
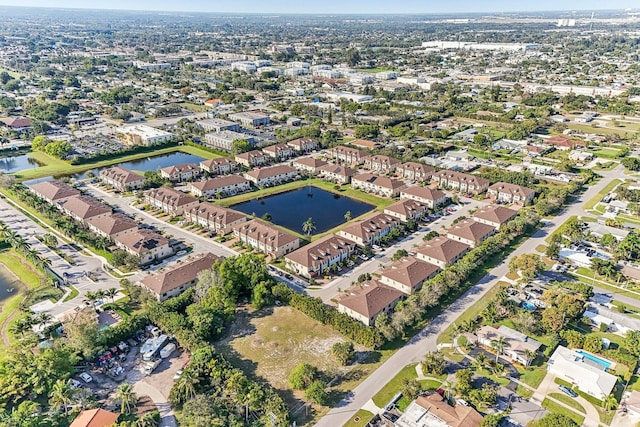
{"points": [[266, 238], [429, 196], [122, 179], [316, 258], [170, 200], [214, 218], [377, 184], [221, 186], [270, 176], [253, 119]]}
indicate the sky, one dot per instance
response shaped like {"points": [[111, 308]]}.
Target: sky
{"points": [[333, 6]]}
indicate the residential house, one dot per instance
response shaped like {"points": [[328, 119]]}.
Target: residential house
{"points": [[266, 238], [170, 200], [317, 257], [221, 186], [563, 143], [442, 251], [112, 225], [598, 230], [254, 119], [214, 218], [219, 166], [430, 197], [534, 150], [407, 210], [415, 171], [496, 216], [366, 144], [224, 139], [218, 125], [518, 346], [408, 274], [148, 245], [470, 232], [309, 165], [303, 145], [366, 301], [377, 184], [580, 156], [17, 123], [122, 179], [347, 154], [380, 163], [274, 175], [461, 182], [52, 191], [432, 410], [95, 418], [278, 152], [587, 374], [511, 193], [337, 173], [369, 231], [81, 208], [252, 158], [182, 172], [174, 280]]}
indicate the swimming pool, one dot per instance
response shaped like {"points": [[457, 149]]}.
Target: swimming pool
{"points": [[528, 306], [602, 362]]}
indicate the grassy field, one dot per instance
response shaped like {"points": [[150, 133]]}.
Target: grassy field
{"points": [[362, 418], [54, 167], [557, 409], [606, 190], [567, 401], [268, 344], [606, 153], [384, 396], [587, 128]]}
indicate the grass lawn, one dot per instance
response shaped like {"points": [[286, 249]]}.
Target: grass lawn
{"points": [[605, 166], [384, 396], [541, 248], [606, 153], [503, 381], [532, 376], [567, 401], [362, 418], [269, 343], [74, 293], [425, 385], [557, 409], [587, 276], [606, 190]]}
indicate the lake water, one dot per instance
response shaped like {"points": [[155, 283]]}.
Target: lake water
{"points": [[8, 281], [150, 163], [17, 163], [293, 208]]}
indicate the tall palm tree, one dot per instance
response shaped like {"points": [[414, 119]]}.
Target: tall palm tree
{"points": [[610, 402], [308, 226], [111, 293], [42, 263], [185, 387], [530, 355], [127, 398], [5, 231], [32, 255], [347, 216], [42, 319], [150, 419], [448, 388], [91, 297], [100, 294], [499, 345], [61, 395]]}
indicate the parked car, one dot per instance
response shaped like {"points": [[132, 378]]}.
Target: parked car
{"points": [[462, 402], [85, 377], [178, 374], [566, 390]]}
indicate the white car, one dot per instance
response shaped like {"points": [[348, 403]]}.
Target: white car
{"points": [[86, 377]]}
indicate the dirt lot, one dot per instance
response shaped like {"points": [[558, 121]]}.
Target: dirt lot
{"points": [[268, 344]]}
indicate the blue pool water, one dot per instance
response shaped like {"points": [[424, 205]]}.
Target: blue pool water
{"points": [[527, 305], [604, 363]]}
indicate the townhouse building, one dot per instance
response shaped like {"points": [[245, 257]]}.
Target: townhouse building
{"points": [[221, 186], [170, 200], [252, 158], [122, 179], [266, 238], [442, 251], [337, 173], [370, 230], [148, 245], [318, 257], [431, 197], [461, 182], [219, 166], [214, 218], [470, 232], [182, 172], [270, 176], [408, 274], [377, 184], [511, 193], [415, 171]]}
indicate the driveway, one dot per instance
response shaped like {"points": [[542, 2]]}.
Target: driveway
{"points": [[548, 385]]}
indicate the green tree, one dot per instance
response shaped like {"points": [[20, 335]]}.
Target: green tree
{"points": [[239, 146], [83, 333], [610, 402], [127, 398], [184, 388], [573, 338], [529, 265], [308, 226], [61, 395], [410, 389], [499, 346], [343, 352], [347, 216], [593, 343], [631, 342], [399, 254], [39, 143], [434, 363], [316, 392], [302, 376], [463, 380], [554, 420], [57, 148]]}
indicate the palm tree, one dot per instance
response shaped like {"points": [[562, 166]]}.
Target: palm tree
{"points": [[530, 355], [42, 319], [111, 293], [61, 395], [42, 263], [481, 359], [185, 387], [32, 255], [127, 398], [448, 388], [91, 297], [150, 419], [347, 216], [5, 231], [308, 226], [100, 294], [499, 345], [610, 402]]}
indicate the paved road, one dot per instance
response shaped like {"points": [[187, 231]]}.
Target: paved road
{"points": [[425, 341]]}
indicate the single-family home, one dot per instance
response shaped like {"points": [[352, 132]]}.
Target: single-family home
{"points": [[584, 370], [470, 232], [182, 172], [81, 208], [270, 176], [122, 179], [415, 171], [170, 200], [148, 245], [518, 346], [221, 186], [95, 418], [52, 191], [309, 165], [112, 225], [266, 238], [511, 193], [495, 215], [377, 184], [347, 155], [580, 156], [317, 257], [278, 152], [370, 230], [174, 280], [432, 410], [218, 166], [366, 301], [252, 158], [380, 163], [408, 274], [563, 143], [214, 218], [534, 150], [429, 196], [461, 182], [407, 210], [337, 173], [17, 123], [442, 251], [303, 145]]}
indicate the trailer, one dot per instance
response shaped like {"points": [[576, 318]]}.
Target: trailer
{"points": [[152, 347]]}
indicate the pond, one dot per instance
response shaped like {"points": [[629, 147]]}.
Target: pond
{"points": [[18, 163], [9, 284], [150, 163], [293, 208]]}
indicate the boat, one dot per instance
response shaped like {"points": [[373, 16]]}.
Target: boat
{"points": [[11, 289]]}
